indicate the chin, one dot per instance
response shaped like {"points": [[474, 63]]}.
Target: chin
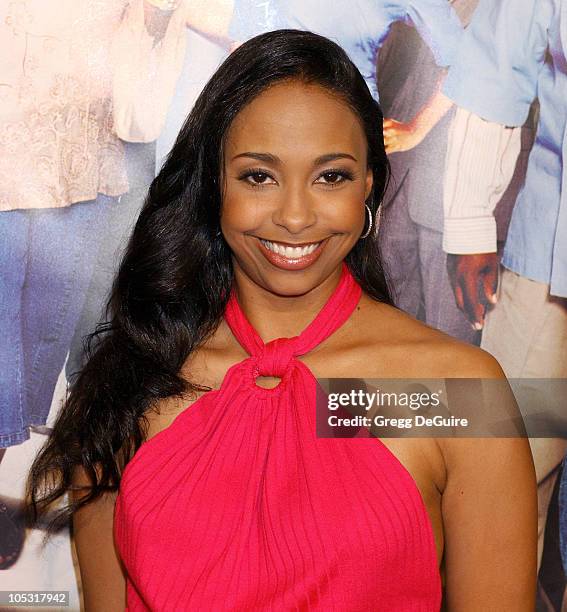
{"points": [[296, 283]]}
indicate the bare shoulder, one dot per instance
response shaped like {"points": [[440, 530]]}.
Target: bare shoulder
{"points": [[489, 497], [417, 350], [413, 349]]}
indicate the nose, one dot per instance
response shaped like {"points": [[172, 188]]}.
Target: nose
{"points": [[295, 211]]}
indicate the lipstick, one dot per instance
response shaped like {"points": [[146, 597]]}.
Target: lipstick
{"points": [[285, 262]]}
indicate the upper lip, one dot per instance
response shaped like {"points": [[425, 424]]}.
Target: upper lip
{"points": [[294, 244]]}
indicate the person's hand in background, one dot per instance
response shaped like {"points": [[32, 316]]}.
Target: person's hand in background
{"points": [[399, 136], [403, 136], [474, 280]]}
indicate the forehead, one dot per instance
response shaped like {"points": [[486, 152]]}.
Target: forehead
{"points": [[295, 120]]}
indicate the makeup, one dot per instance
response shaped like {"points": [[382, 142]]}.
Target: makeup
{"points": [[288, 256]]}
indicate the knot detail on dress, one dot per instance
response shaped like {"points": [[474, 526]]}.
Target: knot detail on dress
{"points": [[275, 357]]}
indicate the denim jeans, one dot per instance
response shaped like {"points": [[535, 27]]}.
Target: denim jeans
{"points": [[47, 258], [140, 165]]}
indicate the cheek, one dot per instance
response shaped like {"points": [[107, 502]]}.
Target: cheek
{"points": [[240, 213], [343, 213]]}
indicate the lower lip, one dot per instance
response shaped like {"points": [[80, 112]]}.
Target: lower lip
{"points": [[292, 264]]}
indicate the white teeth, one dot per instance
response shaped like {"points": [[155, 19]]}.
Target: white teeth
{"points": [[290, 252]]}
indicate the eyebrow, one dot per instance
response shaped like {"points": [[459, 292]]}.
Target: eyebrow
{"points": [[275, 160]]}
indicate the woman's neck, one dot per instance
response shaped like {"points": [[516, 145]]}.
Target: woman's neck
{"points": [[276, 316]]}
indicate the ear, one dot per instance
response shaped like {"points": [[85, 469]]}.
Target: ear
{"points": [[369, 183]]}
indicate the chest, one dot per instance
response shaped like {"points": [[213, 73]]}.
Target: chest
{"points": [[260, 494], [418, 458]]}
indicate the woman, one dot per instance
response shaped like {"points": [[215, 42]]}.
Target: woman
{"points": [[252, 268]]}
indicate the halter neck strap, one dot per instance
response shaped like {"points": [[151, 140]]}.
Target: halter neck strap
{"points": [[274, 357]]}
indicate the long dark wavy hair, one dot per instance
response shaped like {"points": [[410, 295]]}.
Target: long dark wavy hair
{"points": [[174, 279]]}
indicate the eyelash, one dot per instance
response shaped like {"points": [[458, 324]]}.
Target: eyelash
{"points": [[345, 174]]}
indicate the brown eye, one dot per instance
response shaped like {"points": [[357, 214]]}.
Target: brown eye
{"points": [[259, 177], [332, 177], [256, 178]]}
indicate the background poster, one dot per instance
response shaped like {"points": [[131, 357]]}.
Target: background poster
{"points": [[93, 94]]}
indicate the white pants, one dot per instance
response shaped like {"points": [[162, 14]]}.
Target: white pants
{"points": [[527, 333]]}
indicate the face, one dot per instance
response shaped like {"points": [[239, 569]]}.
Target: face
{"points": [[295, 182]]}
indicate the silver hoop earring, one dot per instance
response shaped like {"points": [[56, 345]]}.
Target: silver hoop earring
{"points": [[370, 223]]}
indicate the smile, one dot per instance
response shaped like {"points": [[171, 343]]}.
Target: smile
{"points": [[291, 256], [289, 252]]}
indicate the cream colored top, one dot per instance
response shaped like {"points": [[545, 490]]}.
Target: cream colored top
{"points": [[147, 68], [480, 163], [57, 142]]}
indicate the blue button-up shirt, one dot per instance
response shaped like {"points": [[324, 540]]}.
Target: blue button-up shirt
{"points": [[358, 26], [512, 52]]}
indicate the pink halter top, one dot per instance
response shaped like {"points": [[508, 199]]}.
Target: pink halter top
{"points": [[238, 505]]}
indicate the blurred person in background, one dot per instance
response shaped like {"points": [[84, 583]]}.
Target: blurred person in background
{"points": [[412, 217], [62, 171], [70, 192], [154, 44], [511, 53]]}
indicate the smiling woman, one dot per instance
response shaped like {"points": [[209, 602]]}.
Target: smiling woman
{"points": [[189, 440], [303, 208]]}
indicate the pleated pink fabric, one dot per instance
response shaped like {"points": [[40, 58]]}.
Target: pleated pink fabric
{"points": [[238, 505]]}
